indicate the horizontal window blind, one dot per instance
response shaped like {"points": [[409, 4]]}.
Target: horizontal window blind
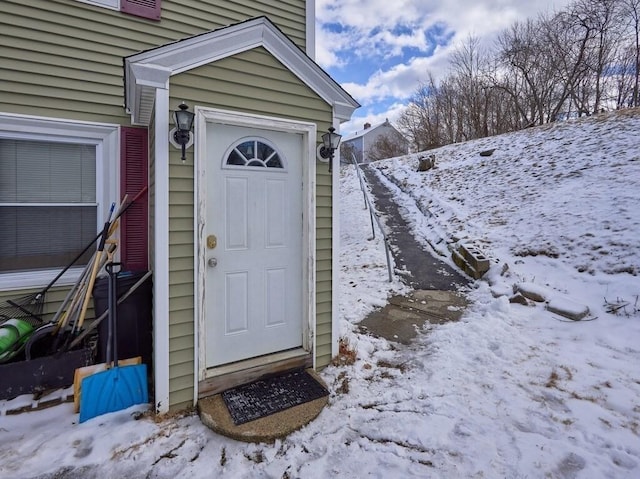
{"points": [[48, 208], [42, 172]]}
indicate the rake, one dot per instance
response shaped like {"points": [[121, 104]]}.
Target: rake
{"points": [[29, 308], [22, 316]]}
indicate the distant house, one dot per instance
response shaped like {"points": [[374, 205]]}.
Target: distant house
{"points": [[367, 146]]}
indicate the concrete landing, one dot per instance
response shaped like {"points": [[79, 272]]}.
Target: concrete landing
{"points": [[215, 415], [405, 316]]}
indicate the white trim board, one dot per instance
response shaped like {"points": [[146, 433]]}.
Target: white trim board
{"points": [[161, 256], [311, 29], [335, 247]]}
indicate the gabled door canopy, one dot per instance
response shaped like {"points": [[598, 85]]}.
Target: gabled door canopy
{"points": [[146, 71]]}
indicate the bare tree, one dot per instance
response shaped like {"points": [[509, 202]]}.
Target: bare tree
{"points": [[469, 63], [421, 121], [348, 152], [529, 65], [625, 77], [631, 11], [598, 17], [448, 103], [388, 145], [569, 38], [573, 62]]}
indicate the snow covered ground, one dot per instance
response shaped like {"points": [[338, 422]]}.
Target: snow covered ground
{"points": [[510, 391]]}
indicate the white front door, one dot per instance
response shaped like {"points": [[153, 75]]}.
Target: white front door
{"points": [[254, 234]]}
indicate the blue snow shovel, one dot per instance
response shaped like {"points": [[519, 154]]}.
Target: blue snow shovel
{"points": [[119, 387]]}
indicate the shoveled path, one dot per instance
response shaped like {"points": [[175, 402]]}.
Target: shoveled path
{"points": [[421, 269]]}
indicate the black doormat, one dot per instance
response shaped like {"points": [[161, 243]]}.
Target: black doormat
{"points": [[270, 395]]}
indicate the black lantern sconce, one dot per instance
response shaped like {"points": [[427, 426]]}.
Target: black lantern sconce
{"points": [[330, 143], [181, 135]]}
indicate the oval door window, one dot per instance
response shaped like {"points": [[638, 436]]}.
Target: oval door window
{"points": [[253, 152]]}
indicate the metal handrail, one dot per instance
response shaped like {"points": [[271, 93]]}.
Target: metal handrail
{"points": [[373, 215]]}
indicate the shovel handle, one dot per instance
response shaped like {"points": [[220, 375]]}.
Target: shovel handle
{"points": [[110, 267], [112, 342]]}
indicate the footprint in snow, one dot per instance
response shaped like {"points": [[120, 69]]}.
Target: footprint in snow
{"points": [[570, 466], [83, 447]]}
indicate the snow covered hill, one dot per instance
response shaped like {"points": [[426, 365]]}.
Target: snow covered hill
{"points": [[559, 204], [512, 390]]}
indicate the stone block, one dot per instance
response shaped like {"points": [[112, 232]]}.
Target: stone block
{"points": [[471, 271], [426, 163], [475, 258], [532, 291], [519, 299], [460, 261], [567, 308]]}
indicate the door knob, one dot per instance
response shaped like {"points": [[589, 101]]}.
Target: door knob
{"points": [[212, 262]]}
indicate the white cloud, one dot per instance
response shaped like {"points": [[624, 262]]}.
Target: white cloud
{"points": [[398, 82], [369, 14], [463, 16], [371, 26], [378, 29]]}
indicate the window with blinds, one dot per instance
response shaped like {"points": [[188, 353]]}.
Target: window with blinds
{"points": [[48, 205]]}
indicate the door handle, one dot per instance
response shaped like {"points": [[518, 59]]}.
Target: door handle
{"points": [[212, 262]]}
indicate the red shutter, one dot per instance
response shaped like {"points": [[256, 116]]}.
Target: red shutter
{"points": [[142, 8], [134, 225]]}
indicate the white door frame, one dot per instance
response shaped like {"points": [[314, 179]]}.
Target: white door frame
{"points": [[206, 116]]}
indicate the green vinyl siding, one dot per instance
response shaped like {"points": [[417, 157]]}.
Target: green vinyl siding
{"points": [[63, 58], [271, 92], [181, 278]]}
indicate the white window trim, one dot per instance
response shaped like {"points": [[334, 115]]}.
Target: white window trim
{"points": [[106, 137], [110, 4]]}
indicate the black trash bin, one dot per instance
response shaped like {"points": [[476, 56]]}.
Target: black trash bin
{"points": [[134, 315]]}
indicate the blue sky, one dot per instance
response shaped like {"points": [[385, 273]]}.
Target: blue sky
{"points": [[381, 50]]}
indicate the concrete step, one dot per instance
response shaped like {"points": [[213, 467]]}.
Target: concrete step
{"points": [[215, 415], [404, 316]]}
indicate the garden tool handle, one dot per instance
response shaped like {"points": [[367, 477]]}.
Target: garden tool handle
{"points": [[112, 269]]}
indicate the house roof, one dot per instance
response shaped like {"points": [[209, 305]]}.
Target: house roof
{"points": [[366, 131], [146, 71]]}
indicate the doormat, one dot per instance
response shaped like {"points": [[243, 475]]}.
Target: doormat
{"points": [[271, 395]]}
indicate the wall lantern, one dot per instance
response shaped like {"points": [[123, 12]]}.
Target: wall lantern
{"points": [[330, 142], [181, 135]]}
